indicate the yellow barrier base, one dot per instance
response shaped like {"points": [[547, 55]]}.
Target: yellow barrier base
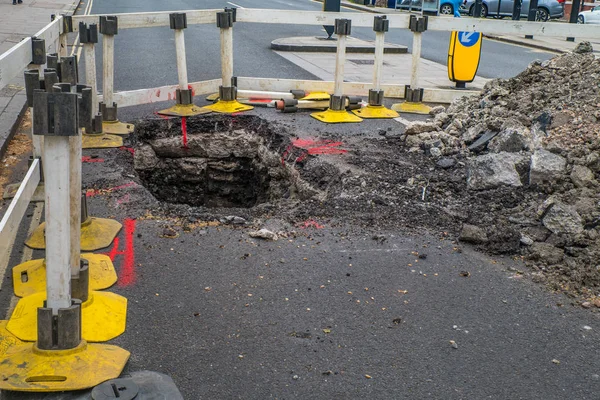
{"points": [[117, 128], [30, 277], [228, 107], [411, 108], [26, 368], [317, 96], [187, 110], [101, 141], [330, 116], [96, 234], [376, 112], [103, 317]]}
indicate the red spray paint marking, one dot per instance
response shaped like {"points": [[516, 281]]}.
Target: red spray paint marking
{"points": [[88, 159], [127, 271], [95, 192], [319, 146], [311, 223], [313, 147], [129, 149], [184, 131]]}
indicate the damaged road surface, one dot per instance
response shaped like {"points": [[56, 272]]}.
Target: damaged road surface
{"points": [[265, 257]]}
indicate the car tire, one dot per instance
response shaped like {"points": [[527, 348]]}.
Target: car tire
{"points": [[542, 15], [446, 9], [484, 11], [580, 19]]}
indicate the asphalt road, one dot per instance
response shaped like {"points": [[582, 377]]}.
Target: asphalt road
{"points": [[145, 57]]}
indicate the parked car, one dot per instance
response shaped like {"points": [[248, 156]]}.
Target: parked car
{"points": [[590, 16], [447, 8], [547, 9]]}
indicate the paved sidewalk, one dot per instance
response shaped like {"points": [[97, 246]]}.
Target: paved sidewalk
{"points": [[18, 22]]}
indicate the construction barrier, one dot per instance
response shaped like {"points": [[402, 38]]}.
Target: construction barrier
{"points": [[57, 312]]}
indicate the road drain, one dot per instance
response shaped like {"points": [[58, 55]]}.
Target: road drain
{"points": [[225, 162]]}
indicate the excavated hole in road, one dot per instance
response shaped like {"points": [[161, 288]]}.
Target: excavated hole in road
{"points": [[227, 161]]}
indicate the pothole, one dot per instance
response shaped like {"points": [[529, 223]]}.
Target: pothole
{"points": [[221, 161]]}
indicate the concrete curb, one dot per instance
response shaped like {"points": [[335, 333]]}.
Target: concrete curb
{"points": [[12, 116], [526, 44]]}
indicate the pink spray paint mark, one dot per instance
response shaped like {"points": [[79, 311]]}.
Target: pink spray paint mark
{"points": [[88, 159], [184, 132], [311, 223], [127, 273]]}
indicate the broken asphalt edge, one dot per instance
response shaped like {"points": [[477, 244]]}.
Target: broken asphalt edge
{"points": [[12, 115]]}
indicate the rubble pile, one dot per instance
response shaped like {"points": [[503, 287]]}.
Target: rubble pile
{"points": [[535, 137]]}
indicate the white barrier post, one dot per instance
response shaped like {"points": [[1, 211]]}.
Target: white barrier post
{"points": [[375, 108], [336, 113], [413, 94], [184, 95], [109, 28], [54, 316], [32, 82], [93, 137], [227, 102]]}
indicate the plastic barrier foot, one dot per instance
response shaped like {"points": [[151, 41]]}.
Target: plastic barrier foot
{"points": [[411, 108], [330, 116], [228, 107], [30, 277], [96, 234], [26, 368], [101, 141], [103, 317], [376, 112], [185, 110], [117, 128]]}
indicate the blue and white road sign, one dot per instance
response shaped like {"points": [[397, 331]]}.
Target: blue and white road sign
{"points": [[468, 39]]}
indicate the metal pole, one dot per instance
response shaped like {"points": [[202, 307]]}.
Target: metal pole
{"points": [[58, 240], [89, 53], [181, 59], [340, 60], [416, 59], [108, 69], [226, 55], [377, 71], [75, 202]]}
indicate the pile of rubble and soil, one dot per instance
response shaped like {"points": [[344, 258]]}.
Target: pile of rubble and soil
{"points": [[513, 170], [531, 146]]}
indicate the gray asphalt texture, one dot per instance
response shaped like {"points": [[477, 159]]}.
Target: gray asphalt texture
{"points": [[329, 313]]}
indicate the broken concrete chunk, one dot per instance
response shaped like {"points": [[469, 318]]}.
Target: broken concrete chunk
{"points": [[562, 219], [145, 158], [583, 47], [545, 166], [582, 176], [493, 170], [547, 253], [414, 128], [472, 234], [263, 234], [513, 137]]}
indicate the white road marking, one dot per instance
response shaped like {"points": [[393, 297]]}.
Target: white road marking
{"points": [[235, 5]]}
